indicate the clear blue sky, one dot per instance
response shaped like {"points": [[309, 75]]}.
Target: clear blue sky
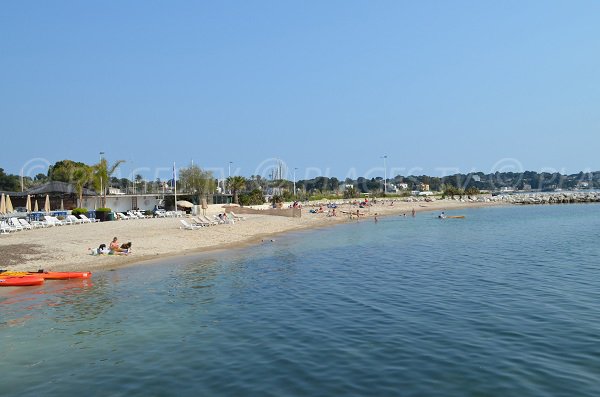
{"points": [[327, 86]]}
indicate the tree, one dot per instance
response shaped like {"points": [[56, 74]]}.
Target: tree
{"points": [[350, 192], [76, 173], [255, 197], [236, 184], [8, 182], [472, 191], [102, 173], [197, 181]]}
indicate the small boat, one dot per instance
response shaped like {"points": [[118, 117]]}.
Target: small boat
{"points": [[20, 281], [48, 275]]}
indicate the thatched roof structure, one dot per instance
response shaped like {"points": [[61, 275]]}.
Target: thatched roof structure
{"points": [[57, 187]]}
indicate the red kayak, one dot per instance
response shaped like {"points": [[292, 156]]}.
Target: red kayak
{"points": [[48, 275], [20, 281]]}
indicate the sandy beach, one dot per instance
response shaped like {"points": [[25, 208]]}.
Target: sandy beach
{"points": [[67, 248]]}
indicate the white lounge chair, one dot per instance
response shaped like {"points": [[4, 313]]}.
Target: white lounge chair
{"points": [[86, 219], [199, 222], [187, 226], [26, 225], [35, 224], [122, 216], [132, 215], [72, 219], [52, 221], [237, 217], [140, 214], [14, 222], [207, 220], [6, 228]]}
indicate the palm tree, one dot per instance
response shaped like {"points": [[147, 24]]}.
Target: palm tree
{"points": [[102, 174], [236, 183]]}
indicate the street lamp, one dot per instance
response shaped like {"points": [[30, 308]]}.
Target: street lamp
{"points": [[384, 175], [229, 176], [295, 182], [101, 191]]}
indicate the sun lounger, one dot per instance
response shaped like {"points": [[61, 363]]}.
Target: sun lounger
{"points": [[237, 217], [14, 222], [139, 214], [27, 225], [122, 216], [187, 226], [72, 219], [6, 228], [200, 222], [52, 221], [86, 219], [207, 220], [131, 215]]}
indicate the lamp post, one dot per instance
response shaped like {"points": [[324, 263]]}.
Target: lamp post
{"points": [[102, 199], [228, 177], [384, 175], [295, 181]]}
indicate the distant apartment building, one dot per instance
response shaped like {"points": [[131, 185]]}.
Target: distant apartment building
{"points": [[424, 187]]}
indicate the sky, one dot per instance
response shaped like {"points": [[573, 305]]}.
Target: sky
{"points": [[323, 87]]}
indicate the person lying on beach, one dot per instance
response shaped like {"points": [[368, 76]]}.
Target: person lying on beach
{"points": [[101, 250]]}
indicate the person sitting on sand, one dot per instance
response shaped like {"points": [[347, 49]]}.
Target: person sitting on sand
{"points": [[115, 248]]}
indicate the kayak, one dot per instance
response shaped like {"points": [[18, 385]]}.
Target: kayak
{"points": [[456, 217], [20, 281], [49, 275]]}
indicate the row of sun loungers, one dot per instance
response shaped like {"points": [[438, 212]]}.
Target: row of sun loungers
{"points": [[140, 215], [17, 224], [200, 221]]}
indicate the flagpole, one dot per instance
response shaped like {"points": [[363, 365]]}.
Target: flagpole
{"points": [[175, 185]]}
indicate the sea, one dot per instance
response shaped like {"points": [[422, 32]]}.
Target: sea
{"points": [[505, 302]]}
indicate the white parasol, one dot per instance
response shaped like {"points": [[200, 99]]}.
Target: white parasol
{"points": [[47, 204], [9, 207]]}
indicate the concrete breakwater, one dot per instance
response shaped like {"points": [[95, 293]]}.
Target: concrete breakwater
{"points": [[550, 198]]}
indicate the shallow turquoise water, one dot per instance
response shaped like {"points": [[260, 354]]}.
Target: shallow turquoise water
{"points": [[502, 303]]}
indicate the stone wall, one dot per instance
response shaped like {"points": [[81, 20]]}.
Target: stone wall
{"points": [[287, 212]]}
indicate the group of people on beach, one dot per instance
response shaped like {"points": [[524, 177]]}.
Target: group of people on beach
{"points": [[114, 248]]}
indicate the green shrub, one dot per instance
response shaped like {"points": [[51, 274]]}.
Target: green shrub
{"points": [[79, 211], [103, 210], [255, 197]]}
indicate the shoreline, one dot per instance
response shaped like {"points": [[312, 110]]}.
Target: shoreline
{"points": [[65, 248]]}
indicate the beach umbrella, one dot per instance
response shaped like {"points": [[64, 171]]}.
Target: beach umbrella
{"points": [[35, 207], [184, 204], [9, 207], [47, 204], [62, 205], [28, 205], [2, 205]]}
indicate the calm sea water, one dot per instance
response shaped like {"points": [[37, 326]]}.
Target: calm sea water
{"points": [[503, 303]]}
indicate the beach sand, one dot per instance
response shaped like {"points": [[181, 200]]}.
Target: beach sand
{"points": [[67, 248]]}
